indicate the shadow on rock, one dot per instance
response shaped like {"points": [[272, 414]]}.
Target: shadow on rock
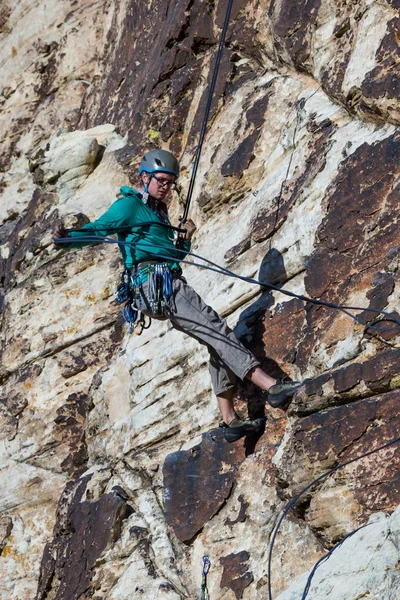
{"points": [[252, 331]]}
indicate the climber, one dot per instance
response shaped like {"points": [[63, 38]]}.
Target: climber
{"points": [[161, 292]]}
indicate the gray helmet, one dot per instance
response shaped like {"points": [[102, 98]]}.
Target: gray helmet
{"points": [[159, 160]]}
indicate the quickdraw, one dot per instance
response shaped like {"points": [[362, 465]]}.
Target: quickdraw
{"points": [[160, 294], [128, 292], [204, 595]]}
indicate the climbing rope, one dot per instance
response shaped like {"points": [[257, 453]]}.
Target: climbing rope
{"points": [[294, 500], [204, 595], [325, 558], [207, 109], [218, 269], [125, 228]]}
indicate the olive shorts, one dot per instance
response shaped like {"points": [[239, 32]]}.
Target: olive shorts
{"points": [[228, 357]]}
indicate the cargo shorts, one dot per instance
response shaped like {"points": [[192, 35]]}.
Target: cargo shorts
{"points": [[228, 357]]}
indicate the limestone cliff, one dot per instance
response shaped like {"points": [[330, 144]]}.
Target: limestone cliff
{"points": [[114, 477]]}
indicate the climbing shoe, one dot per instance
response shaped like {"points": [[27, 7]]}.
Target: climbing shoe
{"points": [[238, 428], [282, 391]]}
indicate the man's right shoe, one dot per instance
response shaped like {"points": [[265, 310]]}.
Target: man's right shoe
{"points": [[282, 391], [239, 428]]}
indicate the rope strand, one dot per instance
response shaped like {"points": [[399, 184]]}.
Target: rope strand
{"points": [[303, 491], [207, 109], [218, 269]]}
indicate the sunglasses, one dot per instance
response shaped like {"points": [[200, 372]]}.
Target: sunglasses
{"points": [[164, 182]]}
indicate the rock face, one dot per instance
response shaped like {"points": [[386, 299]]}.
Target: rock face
{"points": [[115, 480], [379, 540]]}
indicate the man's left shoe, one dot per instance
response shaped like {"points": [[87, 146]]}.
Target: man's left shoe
{"points": [[238, 428], [282, 391]]}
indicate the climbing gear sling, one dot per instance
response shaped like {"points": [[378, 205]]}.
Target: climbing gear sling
{"points": [[160, 279], [128, 292]]}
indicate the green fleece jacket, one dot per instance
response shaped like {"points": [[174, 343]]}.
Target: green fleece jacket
{"points": [[149, 240]]}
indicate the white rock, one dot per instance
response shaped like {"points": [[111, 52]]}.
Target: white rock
{"points": [[365, 565]]}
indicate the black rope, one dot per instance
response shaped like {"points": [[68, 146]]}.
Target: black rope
{"points": [[128, 228], [324, 558], [207, 109], [294, 500], [218, 269]]}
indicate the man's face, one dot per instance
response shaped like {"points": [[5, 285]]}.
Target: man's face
{"points": [[160, 185]]}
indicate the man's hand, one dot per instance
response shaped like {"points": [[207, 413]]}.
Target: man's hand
{"points": [[59, 233], [189, 227]]}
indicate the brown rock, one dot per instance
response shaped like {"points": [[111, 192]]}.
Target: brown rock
{"points": [[242, 514], [82, 533], [378, 374], [236, 250], [381, 86], [364, 238], [71, 421], [325, 439], [6, 526], [293, 24], [240, 160], [197, 482], [235, 575]]}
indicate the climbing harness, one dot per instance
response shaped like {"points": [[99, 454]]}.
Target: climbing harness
{"points": [[207, 109], [294, 500], [204, 595], [159, 293]]}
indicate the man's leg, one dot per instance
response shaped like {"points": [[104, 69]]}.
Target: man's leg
{"points": [[279, 390], [225, 403], [225, 399], [260, 378], [228, 357]]}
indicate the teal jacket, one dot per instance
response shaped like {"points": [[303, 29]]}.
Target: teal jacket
{"points": [[149, 240]]}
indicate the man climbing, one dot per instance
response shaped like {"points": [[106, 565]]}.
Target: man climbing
{"points": [[158, 290]]}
